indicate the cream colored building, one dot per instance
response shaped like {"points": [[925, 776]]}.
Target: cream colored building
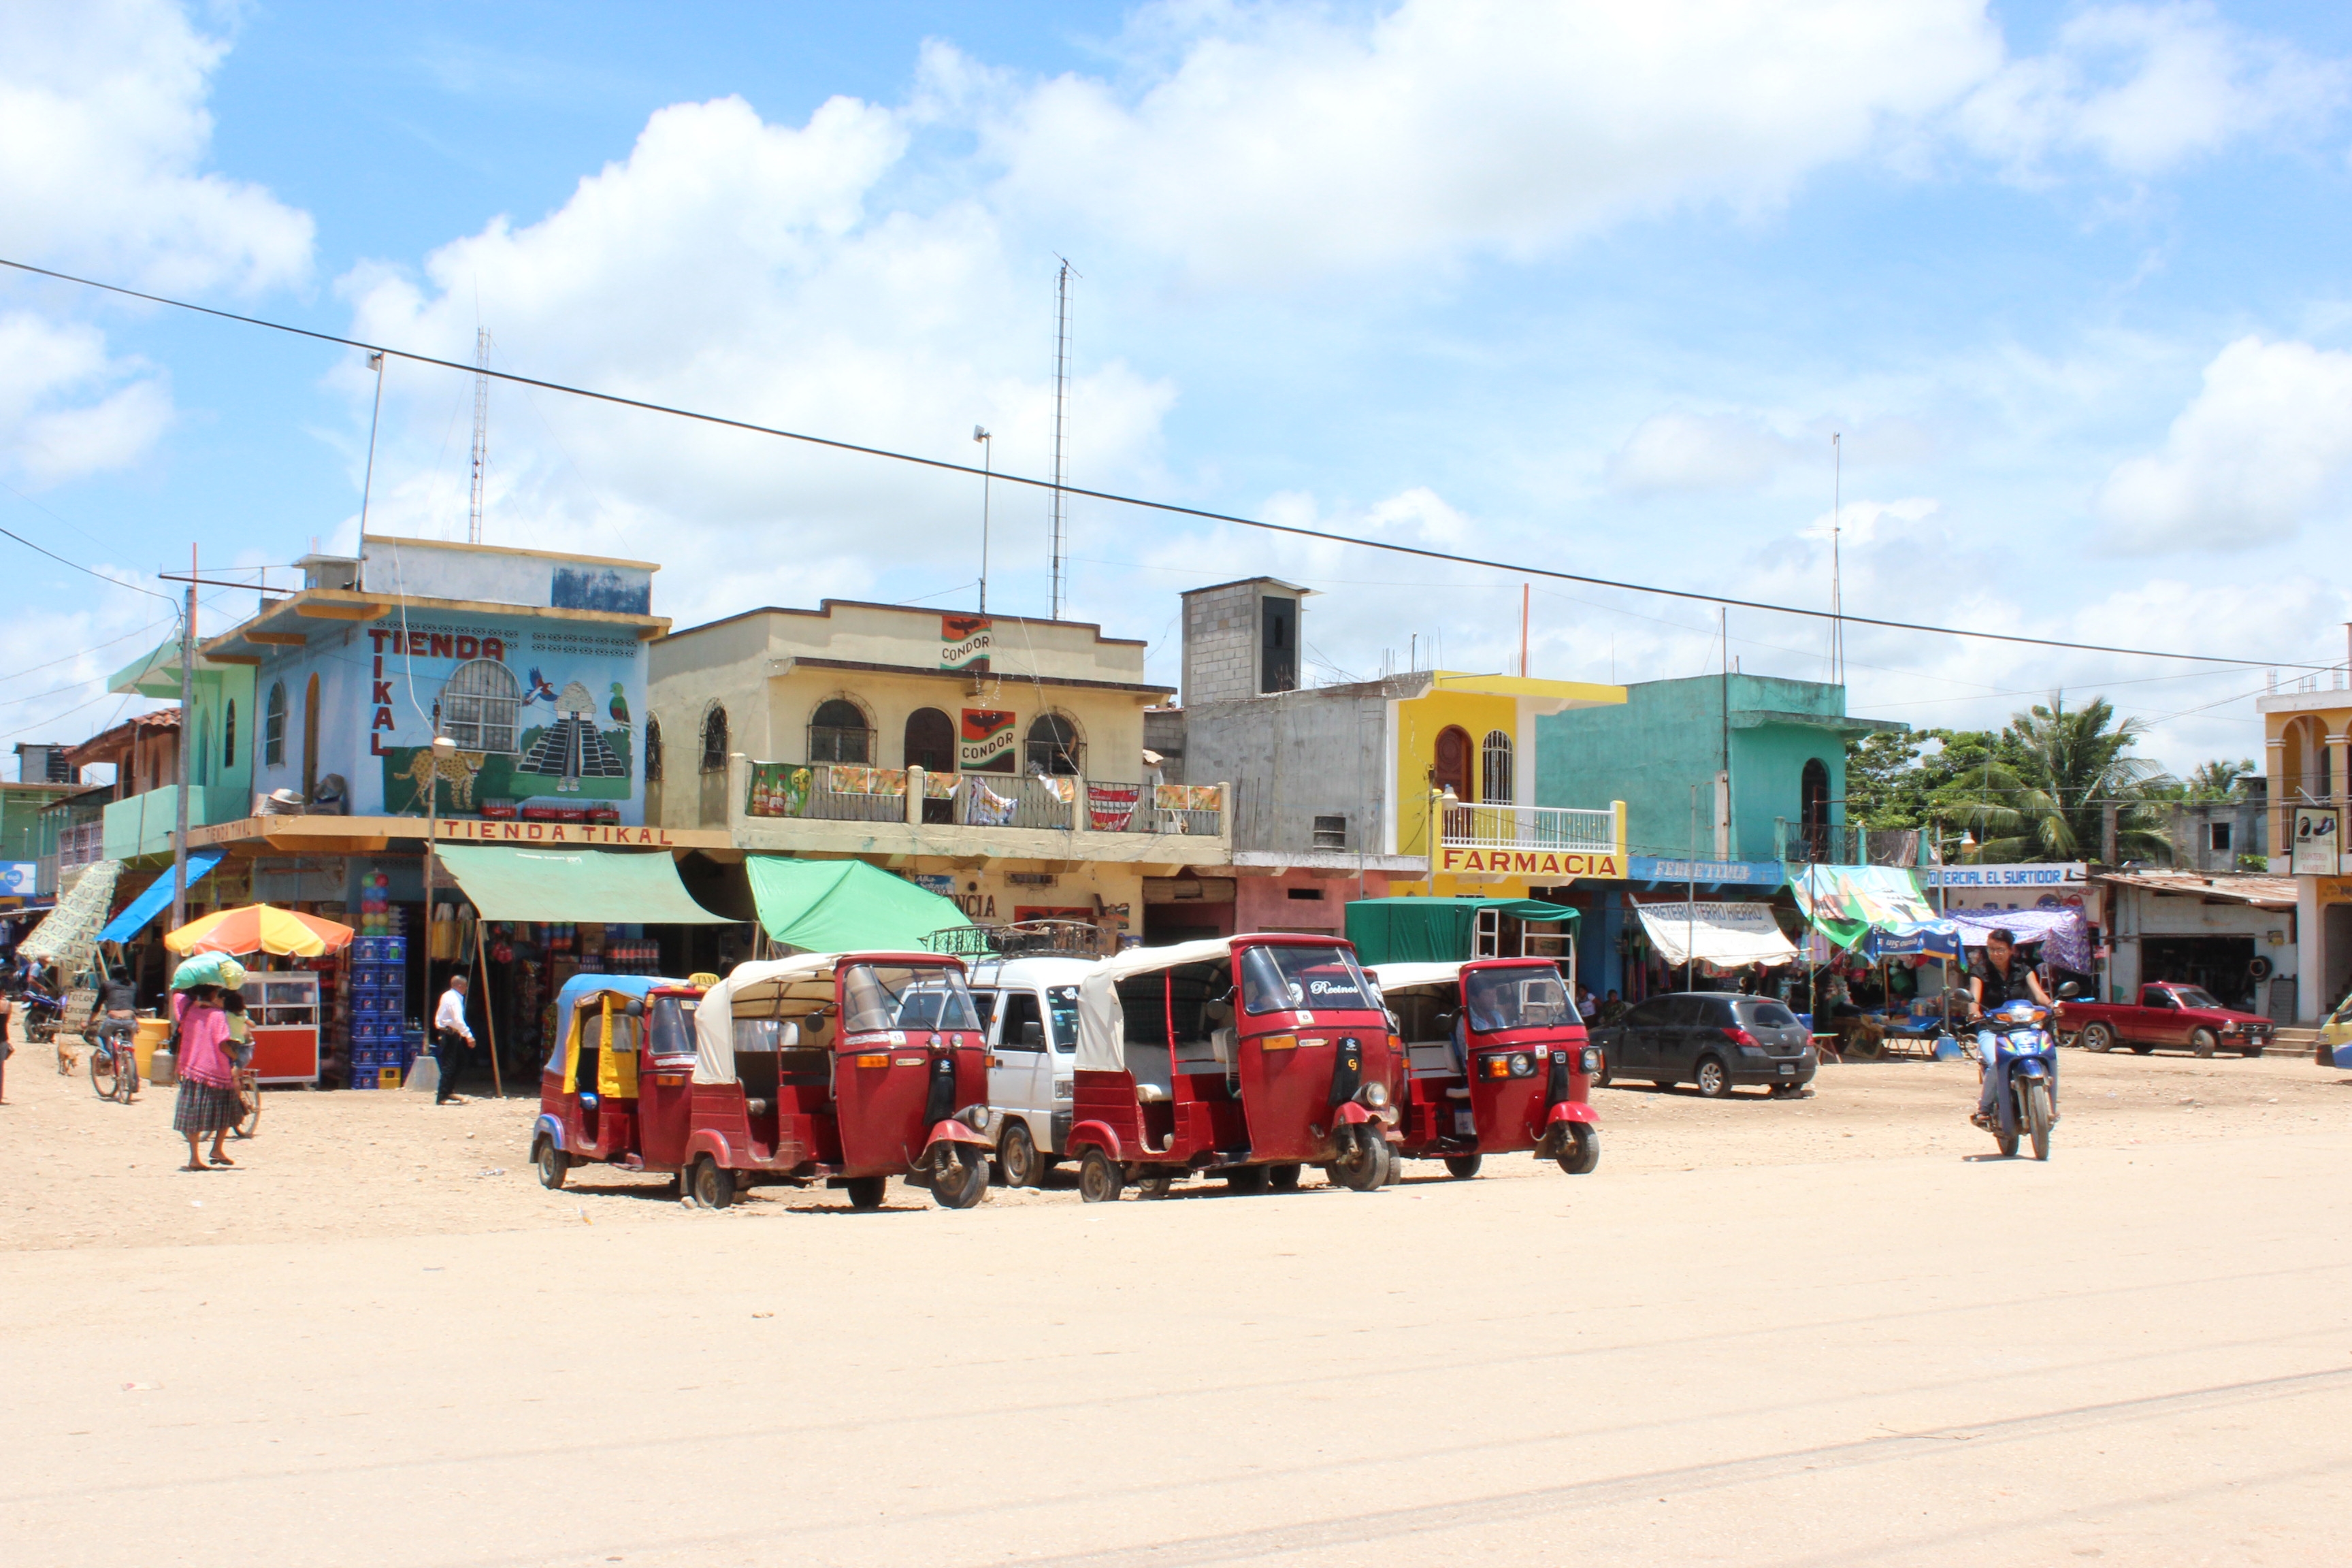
{"points": [[998, 761]]}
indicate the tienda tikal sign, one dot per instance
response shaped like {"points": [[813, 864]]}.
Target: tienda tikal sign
{"points": [[1532, 863], [964, 642]]}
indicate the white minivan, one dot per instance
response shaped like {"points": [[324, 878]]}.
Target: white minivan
{"points": [[1029, 1007]]}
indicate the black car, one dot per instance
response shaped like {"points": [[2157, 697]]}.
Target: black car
{"points": [[1711, 1038]]}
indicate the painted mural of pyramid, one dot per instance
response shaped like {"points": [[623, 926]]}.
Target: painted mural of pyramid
{"points": [[571, 749]]}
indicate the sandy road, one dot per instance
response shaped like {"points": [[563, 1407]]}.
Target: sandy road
{"points": [[1813, 1333]]}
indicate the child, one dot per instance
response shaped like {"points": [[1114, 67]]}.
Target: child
{"points": [[239, 1044]]}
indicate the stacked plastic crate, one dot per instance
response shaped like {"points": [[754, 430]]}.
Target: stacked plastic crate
{"points": [[380, 1047]]}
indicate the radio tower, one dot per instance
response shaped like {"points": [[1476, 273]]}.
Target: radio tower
{"points": [[1059, 519], [481, 431]]}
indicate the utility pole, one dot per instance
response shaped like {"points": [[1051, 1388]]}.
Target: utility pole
{"points": [[2107, 833], [987, 467], [1057, 531], [481, 430], [187, 734]]}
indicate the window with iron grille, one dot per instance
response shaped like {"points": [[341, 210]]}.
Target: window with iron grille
{"points": [[273, 727], [838, 734], [478, 705], [1054, 749], [714, 741], [653, 749], [2221, 838], [228, 737], [1494, 768], [1330, 833]]}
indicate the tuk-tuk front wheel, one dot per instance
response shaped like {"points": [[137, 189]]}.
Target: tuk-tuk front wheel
{"points": [[552, 1162], [960, 1178], [714, 1188], [1366, 1164], [1101, 1180], [1462, 1167], [1582, 1152]]}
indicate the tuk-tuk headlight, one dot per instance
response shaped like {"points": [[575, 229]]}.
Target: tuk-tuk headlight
{"points": [[975, 1117], [1589, 1062], [1374, 1095]]}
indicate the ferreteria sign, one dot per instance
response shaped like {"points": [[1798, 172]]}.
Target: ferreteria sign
{"points": [[1531, 863]]}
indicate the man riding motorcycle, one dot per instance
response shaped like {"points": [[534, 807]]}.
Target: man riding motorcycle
{"points": [[1996, 978]]}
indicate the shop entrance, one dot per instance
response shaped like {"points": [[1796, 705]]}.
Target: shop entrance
{"points": [[2221, 965], [2336, 957]]}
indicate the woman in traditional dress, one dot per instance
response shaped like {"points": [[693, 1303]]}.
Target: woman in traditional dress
{"points": [[208, 1100]]}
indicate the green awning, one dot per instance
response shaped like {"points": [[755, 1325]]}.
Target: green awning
{"points": [[605, 886], [1434, 931], [845, 906]]}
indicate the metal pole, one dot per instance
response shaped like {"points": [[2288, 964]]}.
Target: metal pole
{"points": [[187, 731], [490, 1023], [367, 485], [1690, 901], [987, 466]]}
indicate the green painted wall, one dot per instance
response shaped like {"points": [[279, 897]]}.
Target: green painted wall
{"points": [[1670, 735]]}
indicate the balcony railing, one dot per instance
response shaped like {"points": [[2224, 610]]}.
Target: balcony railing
{"points": [[841, 792], [1571, 830], [1844, 844]]}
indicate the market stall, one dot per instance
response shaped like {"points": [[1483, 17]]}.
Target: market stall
{"points": [[281, 1005], [1721, 935], [1454, 930], [1874, 919], [845, 906]]}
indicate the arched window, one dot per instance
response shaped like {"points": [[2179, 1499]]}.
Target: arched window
{"points": [[478, 705], [837, 733], [228, 737], [1055, 748], [714, 740], [273, 726], [653, 749], [1813, 809], [930, 741], [1495, 769]]}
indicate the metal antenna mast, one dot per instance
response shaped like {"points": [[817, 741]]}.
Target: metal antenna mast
{"points": [[1058, 518], [1837, 570], [481, 432]]}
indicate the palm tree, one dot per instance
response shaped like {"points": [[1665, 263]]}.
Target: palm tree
{"points": [[2042, 793]]}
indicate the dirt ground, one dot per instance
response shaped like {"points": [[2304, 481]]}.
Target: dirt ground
{"points": [[95, 1173], [1821, 1332]]}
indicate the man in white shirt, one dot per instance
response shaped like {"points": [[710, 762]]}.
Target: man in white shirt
{"points": [[453, 1039]]}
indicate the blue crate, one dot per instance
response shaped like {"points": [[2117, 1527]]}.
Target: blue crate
{"points": [[395, 948]]}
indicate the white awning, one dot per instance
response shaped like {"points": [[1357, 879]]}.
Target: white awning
{"points": [[1102, 1022], [1398, 976], [1724, 934], [714, 1017]]}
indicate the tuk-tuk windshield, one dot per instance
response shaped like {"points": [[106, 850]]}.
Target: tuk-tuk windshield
{"points": [[903, 996], [671, 1026], [1288, 978], [1515, 999]]}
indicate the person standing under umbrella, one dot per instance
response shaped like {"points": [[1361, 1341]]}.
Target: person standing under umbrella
{"points": [[453, 1039]]}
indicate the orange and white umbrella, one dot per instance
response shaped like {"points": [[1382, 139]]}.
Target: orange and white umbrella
{"points": [[260, 928]]}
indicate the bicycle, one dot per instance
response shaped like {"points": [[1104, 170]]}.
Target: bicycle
{"points": [[248, 1092], [113, 1064]]}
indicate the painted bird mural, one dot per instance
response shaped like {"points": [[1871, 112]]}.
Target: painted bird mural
{"points": [[539, 688], [619, 707]]}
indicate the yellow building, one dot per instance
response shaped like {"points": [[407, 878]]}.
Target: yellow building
{"points": [[2310, 802]]}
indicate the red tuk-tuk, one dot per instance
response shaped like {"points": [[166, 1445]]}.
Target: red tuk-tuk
{"points": [[1499, 1063], [1245, 1057], [614, 1033], [848, 1068]]}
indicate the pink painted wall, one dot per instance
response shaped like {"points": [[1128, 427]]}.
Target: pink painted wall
{"points": [[1263, 903]]}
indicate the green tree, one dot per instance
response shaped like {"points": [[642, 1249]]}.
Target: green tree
{"points": [[2219, 779], [1902, 779], [2041, 791]]}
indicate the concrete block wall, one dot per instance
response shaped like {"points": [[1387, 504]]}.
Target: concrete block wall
{"points": [[1220, 644]]}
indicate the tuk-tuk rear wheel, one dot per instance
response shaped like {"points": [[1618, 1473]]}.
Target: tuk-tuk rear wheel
{"points": [[1282, 1178], [1462, 1167], [714, 1188], [552, 1163], [1101, 1180], [866, 1191], [1246, 1179]]}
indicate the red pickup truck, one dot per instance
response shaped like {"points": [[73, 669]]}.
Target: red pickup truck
{"points": [[2168, 1014]]}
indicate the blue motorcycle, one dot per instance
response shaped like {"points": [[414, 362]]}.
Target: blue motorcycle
{"points": [[2025, 1069]]}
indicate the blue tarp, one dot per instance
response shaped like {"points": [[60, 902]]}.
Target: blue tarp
{"points": [[157, 897]]}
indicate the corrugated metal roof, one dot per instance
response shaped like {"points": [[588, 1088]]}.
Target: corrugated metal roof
{"points": [[2250, 888]]}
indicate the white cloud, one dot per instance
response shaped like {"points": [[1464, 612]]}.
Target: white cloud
{"points": [[741, 267], [1678, 452], [1863, 521], [2142, 88], [1283, 140], [2265, 447], [102, 113], [66, 407]]}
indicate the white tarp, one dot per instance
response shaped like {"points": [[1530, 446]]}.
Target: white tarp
{"points": [[1724, 934], [714, 1019], [1102, 1025]]}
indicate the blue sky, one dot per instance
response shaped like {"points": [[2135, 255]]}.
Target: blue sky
{"points": [[1556, 284]]}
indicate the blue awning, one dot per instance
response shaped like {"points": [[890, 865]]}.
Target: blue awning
{"points": [[157, 897]]}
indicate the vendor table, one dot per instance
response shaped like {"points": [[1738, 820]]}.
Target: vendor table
{"points": [[283, 1010]]}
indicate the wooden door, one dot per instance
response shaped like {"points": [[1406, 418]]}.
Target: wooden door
{"points": [[1452, 763], [311, 739]]}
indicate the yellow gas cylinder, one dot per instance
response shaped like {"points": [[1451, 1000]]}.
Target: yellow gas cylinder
{"points": [[152, 1032]]}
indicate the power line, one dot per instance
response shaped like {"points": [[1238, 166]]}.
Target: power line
{"points": [[110, 582], [1116, 499]]}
